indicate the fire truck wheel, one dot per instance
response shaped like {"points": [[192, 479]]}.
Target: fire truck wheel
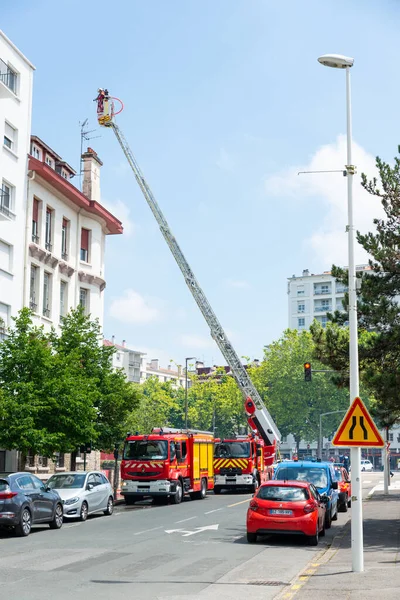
{"points": [[202, 493], [177, 497], [217, 490]]}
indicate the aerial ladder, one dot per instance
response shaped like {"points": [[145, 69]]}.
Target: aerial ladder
{"points": [[258, 416]]}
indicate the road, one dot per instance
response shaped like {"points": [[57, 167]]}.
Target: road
{"points": [[196, 550]]}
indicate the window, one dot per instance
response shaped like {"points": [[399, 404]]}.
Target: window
{"points": [[49, 161], [84, 299], [325, 304], [390, 437], [49, 237], [33, 288], [25, 483], [85, 245], [8, 76], [36, 152], [43, 461], [4, 319], [64, 239], [118, 356], [10, 137], [63, 298], [6, 199], [324, 289], [300, 290], [35, 221], [301, 308], [301, 322], [5, 256], [46, 294]]}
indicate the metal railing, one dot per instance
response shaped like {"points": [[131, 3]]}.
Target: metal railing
{"points": [[46, 312], [320, 292], [5, 201], [33, 305], [64, 255], [322, 308], [8, 76], [48, 246], [35, 239]]}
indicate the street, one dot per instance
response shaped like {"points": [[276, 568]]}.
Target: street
{"points": [[193, 550]]}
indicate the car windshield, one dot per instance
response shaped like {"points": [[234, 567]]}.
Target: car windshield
{"points": [[311, 474], [146, 449], [338, 475], [66, 481], [282, 493], [232, 450]]}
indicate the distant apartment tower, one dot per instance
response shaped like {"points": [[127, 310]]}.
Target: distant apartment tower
{"points": [[313, 296], [16, 80], [132, 362]]}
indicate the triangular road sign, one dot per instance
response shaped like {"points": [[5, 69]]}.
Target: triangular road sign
{"points": [[357, 428]]}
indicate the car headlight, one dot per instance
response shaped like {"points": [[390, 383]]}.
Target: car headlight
{"points": [[71, 500]]}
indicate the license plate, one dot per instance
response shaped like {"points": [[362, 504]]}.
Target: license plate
{"points": [[143, 488], [279, 511]]}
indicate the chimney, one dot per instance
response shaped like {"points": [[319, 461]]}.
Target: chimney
{"points": [[306, 272], [123, 343], [113, 340], [154, 364], [91, 175]]}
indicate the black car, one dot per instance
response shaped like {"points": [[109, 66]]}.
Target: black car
{"points": [[25, 500]]}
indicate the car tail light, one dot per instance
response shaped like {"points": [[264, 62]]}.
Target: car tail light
{"points": [[310, 507], [7, 495], [253, 505]]}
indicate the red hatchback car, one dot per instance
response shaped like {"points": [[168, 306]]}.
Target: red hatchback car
{"points": [[282, 507]]}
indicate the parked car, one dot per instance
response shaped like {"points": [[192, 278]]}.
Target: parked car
{"points": [[344, 487], [83, 493], [321, 474], [283, 507], [366, 465], [25, 501]]}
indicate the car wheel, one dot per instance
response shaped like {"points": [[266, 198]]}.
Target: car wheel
{"points": [[313, 539], [251, 537], [349, 503], [345, 506], [328, 520], [110, 506], [83, 515], [25, 525], [322, 532], [57, 521], [177, 497], [217, 490]]}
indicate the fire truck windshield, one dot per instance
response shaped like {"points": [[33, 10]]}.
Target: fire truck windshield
{"points": [[146, 450], [232, 450]]}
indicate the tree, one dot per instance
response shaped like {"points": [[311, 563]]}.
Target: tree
{"points": [[296, 405], [159, 406]]}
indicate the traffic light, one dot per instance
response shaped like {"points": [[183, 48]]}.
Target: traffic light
{"points": [[86, 448], [307, 371]]}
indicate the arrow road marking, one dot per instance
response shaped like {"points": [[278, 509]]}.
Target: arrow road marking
{"points": [[186, 533]]}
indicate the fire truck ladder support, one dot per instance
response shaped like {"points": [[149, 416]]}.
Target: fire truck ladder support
{"points": [[243, 380]]}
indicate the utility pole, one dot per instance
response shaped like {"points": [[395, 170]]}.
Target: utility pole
{"points": [[186, 388]]}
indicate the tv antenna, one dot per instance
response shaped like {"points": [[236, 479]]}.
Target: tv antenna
{"points": [[85, 136]]}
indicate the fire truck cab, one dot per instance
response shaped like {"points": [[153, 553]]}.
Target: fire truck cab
{"points": [[239, 463], [167, 464]]}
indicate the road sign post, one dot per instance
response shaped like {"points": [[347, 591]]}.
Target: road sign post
{"points": [[357, 430]]}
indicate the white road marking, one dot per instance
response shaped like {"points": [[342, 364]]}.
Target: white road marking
{"points": [[147, 530], [211, 511], [367, 481], [183, 520], [186, 533]]}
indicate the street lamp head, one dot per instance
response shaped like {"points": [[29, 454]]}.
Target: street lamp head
{"points": [[337, 61]]}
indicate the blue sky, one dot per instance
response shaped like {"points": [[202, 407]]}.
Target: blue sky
{"points": [[224, 103]]}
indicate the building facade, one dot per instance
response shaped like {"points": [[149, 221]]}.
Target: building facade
{"points": [[130, 361], [66, 229], [16, 79], [314, 296]]}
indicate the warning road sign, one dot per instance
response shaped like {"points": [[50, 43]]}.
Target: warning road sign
{"points": [[357, 428]]}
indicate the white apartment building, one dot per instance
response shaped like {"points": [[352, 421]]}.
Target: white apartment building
{"points": [[314, 296], [66, 233], [176, 375], [16, 79], [130, 361]]}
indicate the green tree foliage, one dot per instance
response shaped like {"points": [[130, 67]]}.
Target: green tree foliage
{"points": [[378, 301], [295, 404], [160, 405]]}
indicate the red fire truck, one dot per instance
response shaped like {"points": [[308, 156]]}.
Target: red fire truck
{"points": [[167, 463], [245, 461]]}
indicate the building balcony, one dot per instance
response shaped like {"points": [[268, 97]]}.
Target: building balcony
{"points": [[320, 292], [322, 308], [8, 81], [134, 363]]}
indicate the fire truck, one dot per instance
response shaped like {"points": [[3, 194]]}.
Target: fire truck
{"points": [[167, 464], [244, 461]]}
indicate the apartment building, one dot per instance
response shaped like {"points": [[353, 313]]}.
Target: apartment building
{"points": [[67, 229], [312, 296], [130, 361], [153, 368], [16, 80]]}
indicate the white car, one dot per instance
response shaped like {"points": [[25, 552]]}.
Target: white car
{"points": [[366, 465], [83, 493]]}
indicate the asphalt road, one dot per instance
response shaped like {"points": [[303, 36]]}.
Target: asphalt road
{"points": [[196, 550]]}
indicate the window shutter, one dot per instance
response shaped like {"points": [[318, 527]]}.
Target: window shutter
{"points": [[9, 131], [35, 212], [85, 239]]}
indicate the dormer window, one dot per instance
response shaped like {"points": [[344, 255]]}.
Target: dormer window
{"points": [[36, 152], [49, 161]]}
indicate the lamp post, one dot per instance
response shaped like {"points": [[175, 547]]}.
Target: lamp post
{"points": [[344, 62], [186, 388], [320, 427]]}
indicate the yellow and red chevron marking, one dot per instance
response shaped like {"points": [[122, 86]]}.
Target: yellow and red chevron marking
{"points": [[143, 465], [226, 463]]}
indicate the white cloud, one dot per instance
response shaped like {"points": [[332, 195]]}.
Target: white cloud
{"points": [[120, 210], [237, 283], [329, 241], [197, 342], [225, 161], [135, 309]]}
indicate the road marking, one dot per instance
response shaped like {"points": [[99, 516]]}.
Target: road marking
{"points": [[186, 533], [237, 503], [367, 481], [147, 530], [183, 520], [211, 511]]}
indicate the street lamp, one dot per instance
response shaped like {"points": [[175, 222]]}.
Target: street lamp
{"points": [[338, 61], [186, 388]]}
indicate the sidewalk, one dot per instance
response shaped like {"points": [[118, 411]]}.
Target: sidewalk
{"points": [[331, 576]]}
